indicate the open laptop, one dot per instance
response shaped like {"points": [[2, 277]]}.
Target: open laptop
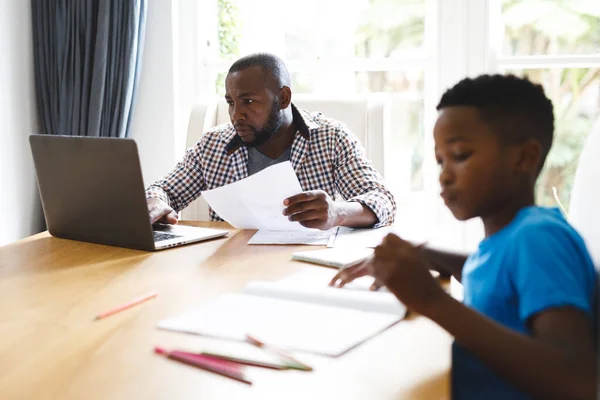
{"points": [[92, 190]]}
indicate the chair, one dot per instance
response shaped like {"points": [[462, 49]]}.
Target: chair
{"points": [[583, 215], [368, 117], [585, 195]]}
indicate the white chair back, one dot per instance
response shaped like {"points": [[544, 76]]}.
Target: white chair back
{"points": [[368, 117], [585, 195]]}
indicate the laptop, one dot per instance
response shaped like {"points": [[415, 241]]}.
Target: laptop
{"points": [[92, 190]]}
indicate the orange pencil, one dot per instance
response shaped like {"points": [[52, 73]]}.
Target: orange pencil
{"points": [[125, 306]]}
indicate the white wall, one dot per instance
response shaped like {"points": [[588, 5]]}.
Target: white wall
{"points": [[20, 210], [153, 117], [171, 67]]}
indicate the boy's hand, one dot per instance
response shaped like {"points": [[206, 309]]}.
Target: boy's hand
{"points": [[347, 275], [400, 266]]}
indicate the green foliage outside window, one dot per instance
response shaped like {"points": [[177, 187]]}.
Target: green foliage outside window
{"points": [[228, 31], [536, 27], [388, 28]]}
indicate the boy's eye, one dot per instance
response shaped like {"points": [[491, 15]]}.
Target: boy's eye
{"points": [[248, 101], [461, 156]]}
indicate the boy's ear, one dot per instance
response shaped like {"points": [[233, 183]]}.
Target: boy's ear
{"points": [[529, 157]]}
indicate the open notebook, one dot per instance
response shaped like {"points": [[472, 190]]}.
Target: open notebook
{"points": [[299, 312]]}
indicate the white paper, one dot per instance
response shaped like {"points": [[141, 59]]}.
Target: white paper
{"points": [[288, 324], [363, 300], [336, 257], [353, 238], [312, 277], [256, 202], [309, 236]]}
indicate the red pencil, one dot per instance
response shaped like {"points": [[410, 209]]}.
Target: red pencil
{"points": [[211, 364], [125, 306]]}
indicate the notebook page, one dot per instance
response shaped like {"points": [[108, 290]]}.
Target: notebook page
{"points": [[309, 288], [311, 277], [337, 257], [288, 324]]}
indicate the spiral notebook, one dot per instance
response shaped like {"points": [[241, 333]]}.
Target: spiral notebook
{"points": [[336, 257]]}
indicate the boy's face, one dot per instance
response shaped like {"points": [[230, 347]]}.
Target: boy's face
{"points": [[476, 176]]}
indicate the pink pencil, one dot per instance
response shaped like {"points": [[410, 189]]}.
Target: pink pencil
{"points": [[222, 367], [125, 306]]}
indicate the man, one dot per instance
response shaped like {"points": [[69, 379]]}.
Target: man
{"points": [[265, 129]]}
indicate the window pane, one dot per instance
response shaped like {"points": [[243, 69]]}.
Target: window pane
{"points": [[390, 28], [342, 30], [405, 90], [541, 27], [575, 94], [318, 29], [404, 157]]}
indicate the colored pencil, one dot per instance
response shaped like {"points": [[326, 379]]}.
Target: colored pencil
{"points": [[125, 306], [247, 361], [221, 367], [291, 362]]}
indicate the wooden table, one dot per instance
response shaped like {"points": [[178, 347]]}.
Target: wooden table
{"points": [[52, 348]]}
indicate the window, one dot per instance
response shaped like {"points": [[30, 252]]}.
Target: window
{"points": [[556, 44], [339, 46], [413, 50]]}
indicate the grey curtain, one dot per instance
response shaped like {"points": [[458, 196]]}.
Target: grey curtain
{"points": [[87, 57]]}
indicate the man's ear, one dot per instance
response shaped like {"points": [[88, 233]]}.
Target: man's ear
{"points": [[529, 157], [285, 98]]}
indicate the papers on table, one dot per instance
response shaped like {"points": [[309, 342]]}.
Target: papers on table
{"points": [[308, 236], [256, 202], [336, 257], [356, 238], [359, 238]]}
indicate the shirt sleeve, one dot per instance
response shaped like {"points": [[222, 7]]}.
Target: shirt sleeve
{"points": [[553, 269], [357, 180], [183, 184]]}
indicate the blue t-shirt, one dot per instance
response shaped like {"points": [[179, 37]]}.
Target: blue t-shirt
{"points": [[536, 262]]}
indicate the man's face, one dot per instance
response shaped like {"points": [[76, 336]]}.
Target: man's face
{"points": [[475, 170], [253, 105]]}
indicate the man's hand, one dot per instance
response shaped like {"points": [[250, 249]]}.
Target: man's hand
{"points": [[401, 267], [313, 209], [160, 212]]}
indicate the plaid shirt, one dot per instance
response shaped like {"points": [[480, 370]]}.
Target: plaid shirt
{"points": [[325, 155]]}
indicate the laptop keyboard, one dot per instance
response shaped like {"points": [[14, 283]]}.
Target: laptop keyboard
{"points": [[159, 236]]}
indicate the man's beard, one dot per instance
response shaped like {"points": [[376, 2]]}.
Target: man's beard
{"points": [[272, 125]]}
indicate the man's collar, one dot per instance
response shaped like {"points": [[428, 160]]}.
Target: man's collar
{"points": [[301, 119]]}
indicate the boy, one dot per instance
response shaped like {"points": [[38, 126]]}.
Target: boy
{"points": [[526, 327]]}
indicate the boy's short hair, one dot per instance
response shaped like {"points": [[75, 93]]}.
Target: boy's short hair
{"points": [[515, 108]]}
